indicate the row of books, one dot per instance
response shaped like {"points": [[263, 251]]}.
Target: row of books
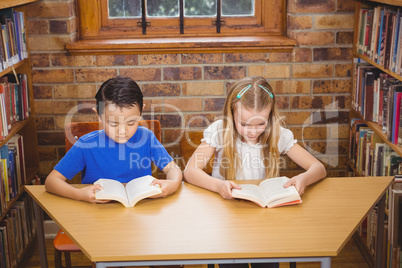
{"points": [[13, 43], [369, 154], [14, 101], [17, 230], [379, 33], [377, 96], [12, 170]]}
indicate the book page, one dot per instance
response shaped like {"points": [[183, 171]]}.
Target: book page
{"points": [[249, 192], [273, 189], [141, 188], [112, 190]]}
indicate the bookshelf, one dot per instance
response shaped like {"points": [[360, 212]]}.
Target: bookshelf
{"points": [[17, 226], [371, 19]]}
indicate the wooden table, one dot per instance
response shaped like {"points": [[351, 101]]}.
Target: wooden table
{"points": [[195, 226]]}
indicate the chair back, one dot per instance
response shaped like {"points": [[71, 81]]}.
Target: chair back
{"points": [[73, 131], [190, 140]]}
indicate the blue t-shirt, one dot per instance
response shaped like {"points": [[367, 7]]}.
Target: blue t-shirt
{"points": [[98, 156]]}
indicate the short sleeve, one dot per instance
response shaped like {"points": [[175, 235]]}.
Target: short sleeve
{"points": [[213, 134], [286, 140], [72, 162]]}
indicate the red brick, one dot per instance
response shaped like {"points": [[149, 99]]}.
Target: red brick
{"points": [[214, 104], [333, 53], [163, 89], [269, 71], [40, 60], [344, 38], [308, 102], [313, 38], [53, 76], [201, 58], [113, 60], [343, 70], [38, 27], [55, 107], [246, 57], [200, 120], [282, 102], [42, 92], [49, 42], [50, 10], [51, 138], [337, 21], [310, 133], [296, 118], [142, 74], [303, 54], [159, 59], [299, 22], [310, 6], [345, 6], [342, 102], [332, 86], [61, 59], [94, 75], [152, 105], [280, 57], [224, 72], [290, 86], [47, 154], [182, 104], [202, 88], [181, 73], [312, 70], [45, 122], [74, 91], [58, 26]]}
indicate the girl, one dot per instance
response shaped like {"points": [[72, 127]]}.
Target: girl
{"points": [[247, 143]]}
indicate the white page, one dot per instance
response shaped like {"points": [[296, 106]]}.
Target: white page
{"points": [[112, 189]]}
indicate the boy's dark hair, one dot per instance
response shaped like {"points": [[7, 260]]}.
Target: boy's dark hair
{"points": [[121, 91]]}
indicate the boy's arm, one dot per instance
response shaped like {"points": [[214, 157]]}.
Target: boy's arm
{"points": [[172, 182], [195, 174], [56, 183], [315, 170]]}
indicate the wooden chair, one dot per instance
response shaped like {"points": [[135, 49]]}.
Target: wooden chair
{"points": [[73, 131], [190, 140]]}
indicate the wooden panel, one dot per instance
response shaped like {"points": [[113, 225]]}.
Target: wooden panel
{"points": [[13, 3]]}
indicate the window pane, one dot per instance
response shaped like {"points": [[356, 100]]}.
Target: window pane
{"points": [[200, 8], [162, 8], [124, 8], [237, 7]]}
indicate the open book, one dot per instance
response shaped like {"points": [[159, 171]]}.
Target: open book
{"points": [[269, 193], [134, 191]]}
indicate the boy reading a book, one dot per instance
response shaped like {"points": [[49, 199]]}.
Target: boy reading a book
{"points": [[122, 151]]}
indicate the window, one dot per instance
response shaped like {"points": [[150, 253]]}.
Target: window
{"points": [[138, 26]]}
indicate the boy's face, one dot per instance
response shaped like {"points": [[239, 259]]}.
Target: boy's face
{"points": [[120, 123]]}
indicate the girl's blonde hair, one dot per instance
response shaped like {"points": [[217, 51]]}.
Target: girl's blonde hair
{"points": [[254, 98]]}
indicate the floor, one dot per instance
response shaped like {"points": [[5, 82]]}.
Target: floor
{"points": [[349, 257]]}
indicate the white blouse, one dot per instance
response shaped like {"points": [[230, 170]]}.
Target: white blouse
{"points": [[250, 154]]}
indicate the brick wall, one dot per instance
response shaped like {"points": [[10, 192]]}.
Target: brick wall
{"points": [[312, 83]]}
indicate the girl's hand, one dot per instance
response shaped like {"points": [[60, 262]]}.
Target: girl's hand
{"points": [[225, 188], [167, 186], [87, 194], [298, 183]]}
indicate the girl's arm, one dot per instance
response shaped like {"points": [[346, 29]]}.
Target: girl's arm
{"points": [[56, 183], [194, 174], [315, 170], [172, 182]]}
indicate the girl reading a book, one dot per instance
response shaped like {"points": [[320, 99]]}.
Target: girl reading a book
{"points": [[247, 143]]}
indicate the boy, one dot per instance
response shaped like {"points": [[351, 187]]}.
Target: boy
{"points": [[121, 151]]}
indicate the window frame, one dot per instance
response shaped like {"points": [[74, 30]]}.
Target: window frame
{"points": [[96, 36]]}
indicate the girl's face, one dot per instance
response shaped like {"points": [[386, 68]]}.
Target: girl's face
{"points": [[121, 123], [250, 124]]}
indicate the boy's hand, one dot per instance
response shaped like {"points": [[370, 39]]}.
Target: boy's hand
{"points": [[225, 188], [298, 183], [167, 186], [88, 194]]}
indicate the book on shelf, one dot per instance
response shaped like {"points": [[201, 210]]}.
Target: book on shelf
{"points": [[129, 194], [269, 193], [379, 30]]}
